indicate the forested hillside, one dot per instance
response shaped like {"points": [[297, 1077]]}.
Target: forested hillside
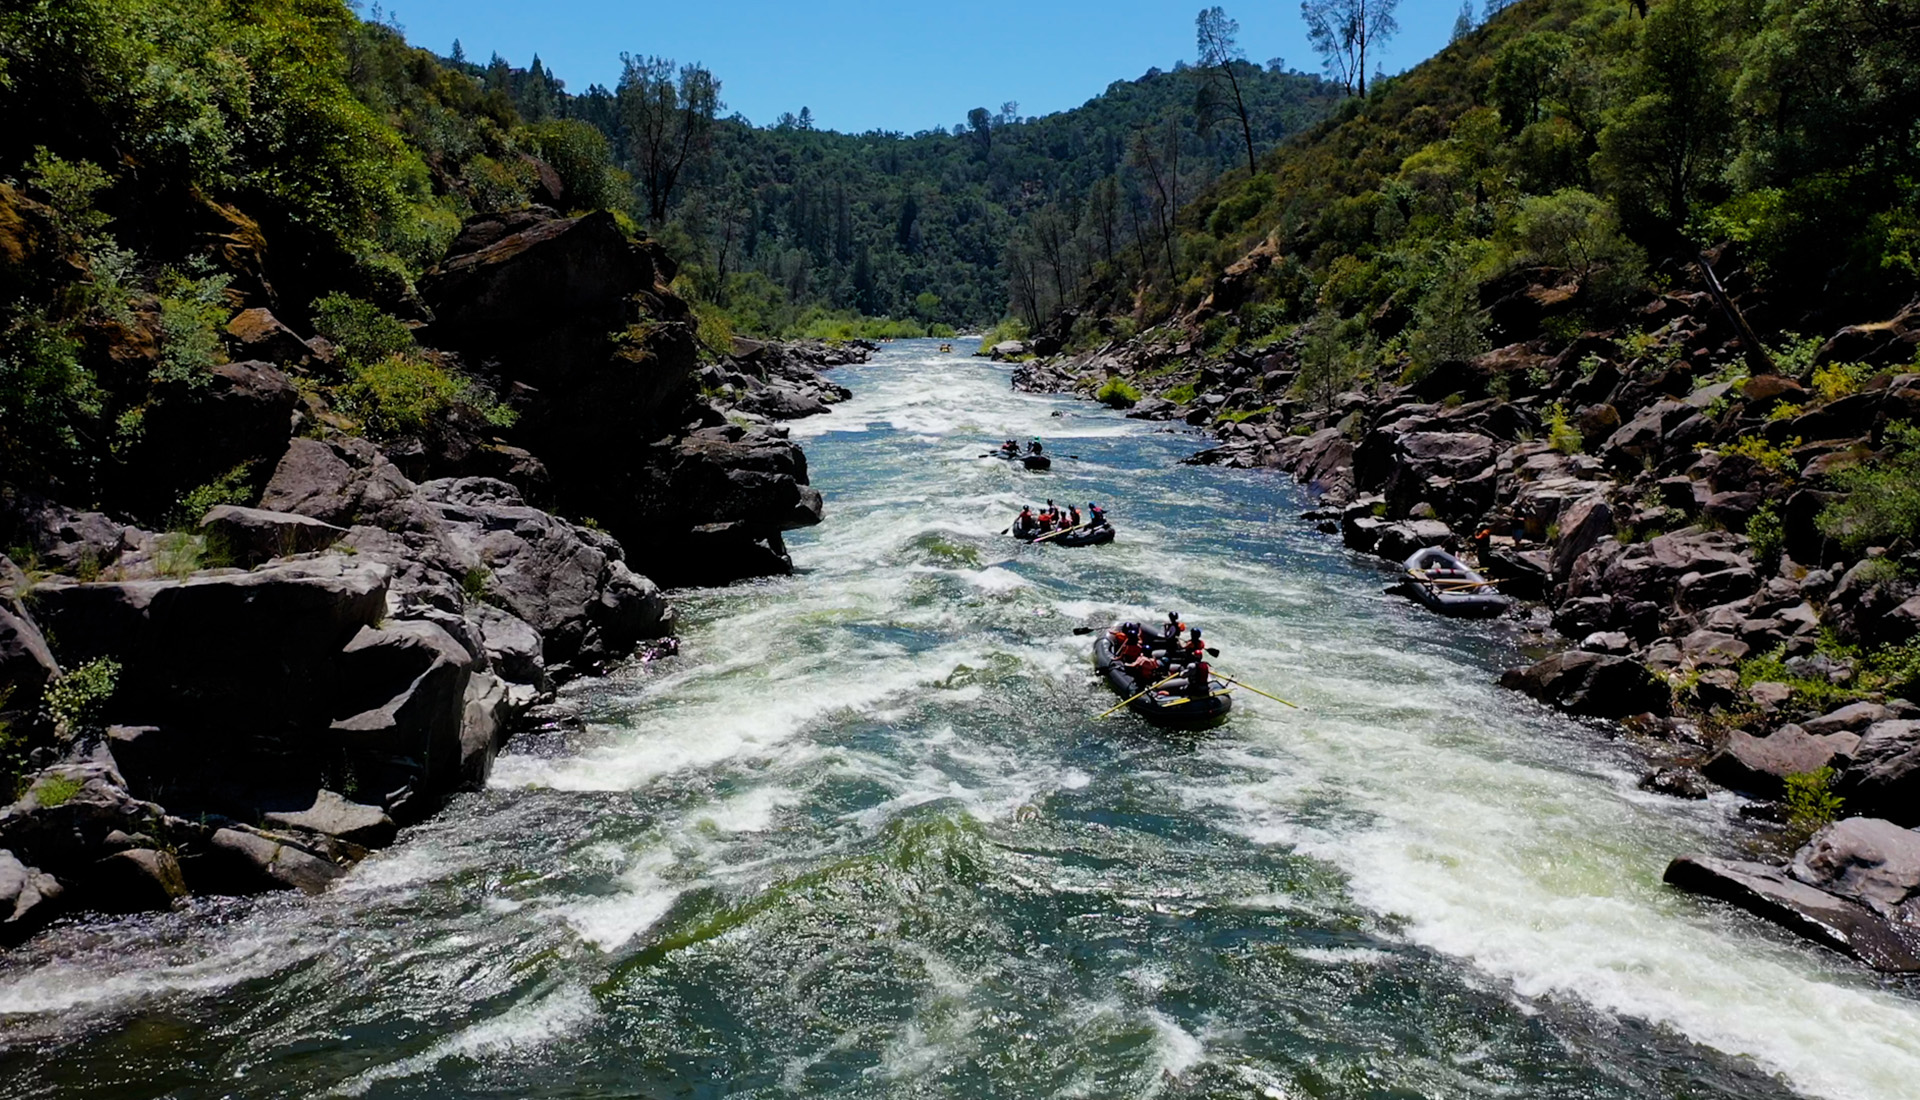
{"points": [[783, 221], [1606, 141]]}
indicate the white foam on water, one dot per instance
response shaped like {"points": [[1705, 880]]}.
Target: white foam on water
{"points": [[645, 896], [1176, 1050], [106, 979], [516, 1033]]}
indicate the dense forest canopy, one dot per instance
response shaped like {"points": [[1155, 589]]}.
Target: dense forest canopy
{"points": [[1607, 140], [776, 220]]}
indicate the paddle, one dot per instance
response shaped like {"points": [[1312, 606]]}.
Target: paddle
{"points": [[1257, 691], [1142, 695], [1061, 531], [1188, 699]]}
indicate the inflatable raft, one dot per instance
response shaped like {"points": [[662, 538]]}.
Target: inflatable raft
{"points": [[1448, 585], [1168, 710]]}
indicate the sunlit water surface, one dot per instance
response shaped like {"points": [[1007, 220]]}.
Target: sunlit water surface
{"points": [[865, 837]]}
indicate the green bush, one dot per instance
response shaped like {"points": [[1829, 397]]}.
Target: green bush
{"points": [[57, 790], [1119, 393], [233, 487], [360, 330], [1811, 803], [1562, 436], [193, 312], [75, 701], [1182, 393], [397, 394], [1766, 534], [1882, 501]]}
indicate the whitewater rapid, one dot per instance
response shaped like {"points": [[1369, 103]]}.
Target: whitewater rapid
{"points": [[864, 837]]}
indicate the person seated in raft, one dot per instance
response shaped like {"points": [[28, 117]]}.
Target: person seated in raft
{"points": [[1024, 523], [1073, 515], [1195, 649], [1144, 668], [1196, 684], [1034, 447], [1095, 516], [1010, 447]]}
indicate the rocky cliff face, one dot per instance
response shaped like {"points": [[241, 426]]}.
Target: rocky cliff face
{"points": [[579, 325], [252, 702]]}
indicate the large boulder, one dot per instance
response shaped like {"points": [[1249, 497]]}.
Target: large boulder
{"points": [[404, 743], [1761, 765], [1840, 923], [1582, 525], [1399, 541], [28, 898], [245, 652], [254, 535], [193, 434], [1598, 685], [256, 334], [26, 666], [332, 815], [1883, 778]]}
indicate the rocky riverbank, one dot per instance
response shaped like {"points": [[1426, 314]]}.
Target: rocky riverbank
{"points": [[1654, 494], [255, 698]]}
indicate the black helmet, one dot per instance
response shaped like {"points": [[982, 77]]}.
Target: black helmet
{"points": [[1195, 632]]}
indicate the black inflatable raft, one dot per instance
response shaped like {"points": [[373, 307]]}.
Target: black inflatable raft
{"points": [[1167, 710], [1447, 585], [1085, 536], [1030, 461]]}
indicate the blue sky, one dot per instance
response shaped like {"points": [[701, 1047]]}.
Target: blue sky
{"points": [[864, 65]]}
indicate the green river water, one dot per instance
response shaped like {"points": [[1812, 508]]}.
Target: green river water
{"points": [[864, 838]]}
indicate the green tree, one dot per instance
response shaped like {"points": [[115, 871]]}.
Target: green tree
{"points": [[1342, 31], [668, 113], [1671, 136], [1218, 42]]}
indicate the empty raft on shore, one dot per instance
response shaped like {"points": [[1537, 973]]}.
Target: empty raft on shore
{"points": [[1448, 585], [1168, 710]]}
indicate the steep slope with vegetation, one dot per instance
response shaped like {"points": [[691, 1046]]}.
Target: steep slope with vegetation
{"points": [[292, 367], [1630, 292], [785, 226]]}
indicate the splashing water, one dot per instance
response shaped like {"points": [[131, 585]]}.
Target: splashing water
{"points": [[864, 838]]}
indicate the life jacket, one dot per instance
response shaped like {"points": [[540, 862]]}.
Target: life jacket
{"points": [[1130, 651], [1199, 679], [1074, 516]]}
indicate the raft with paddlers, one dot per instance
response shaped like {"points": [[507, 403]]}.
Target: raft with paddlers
{"points": [[1033, 458], [1062, 526], [1166, 681]]}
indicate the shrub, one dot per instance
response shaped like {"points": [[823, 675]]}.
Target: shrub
{"points": [[397, 394], [1882, 501], [1837, 380], [1766, 534], [75, 700], [1811, 803], [192, 312], [1561, 435], [1119, 393], [1182, 393], [57, 790], [233, 487], [1774, 460], [360, 330]]}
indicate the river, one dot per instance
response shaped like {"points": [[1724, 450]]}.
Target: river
{"points": [[865, 837]]}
